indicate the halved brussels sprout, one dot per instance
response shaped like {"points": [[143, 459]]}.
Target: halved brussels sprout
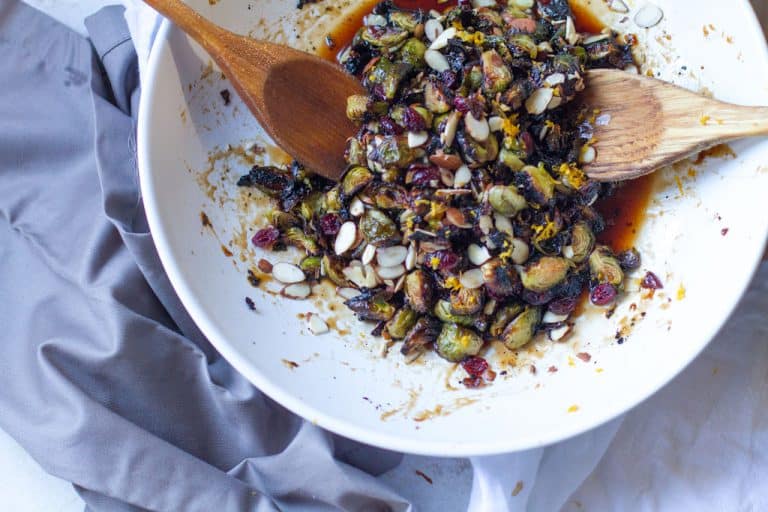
{"points": [[435, 99], [399, 325], [455, 343], [500, 279], [503, 316], [466, 301], [506, 200], [378, 229], [544, 274], [383, 37], [333, 267], [404, 19], [512, 159], [604, 266], [537, 184], [496, 74], [312, 205], [426, 331], [582, 241], [333, 199], [372, 306], [476, 153], [298, 238], [357, 107], [283, 220], [443, 312], [388, 196], [355, 180], [412, 52], [354, 154], [268, 179], [388, 75], [420, 291], [392, 152], [522, 45], [521, 330], [311, 266]]}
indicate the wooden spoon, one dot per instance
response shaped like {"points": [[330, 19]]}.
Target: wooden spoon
{"points": [[651, 123], [299, 99]]}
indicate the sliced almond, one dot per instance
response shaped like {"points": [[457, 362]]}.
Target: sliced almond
{"points": [[571, 35], [361, 276], [477, 4], [553, 318], [490, 307], [478, 128], [504, 225], [436, 60], [560, 333], [495, 123], [347, 293], [462, 177], [368, 253], [456, 217], [356, 207], [472, 279], [346, 238], [390, 272], [400, 283], [410, 257], [375, 20], [449, 131], [478, 254], [391, 256], [554, 79], [433, 29], [297, 291], [485, 222], [317, 325], [441, 41], [287, 273], [520, 251], [416, 139], [446, 177], [648, 16], [450, 162], [538, 101]]}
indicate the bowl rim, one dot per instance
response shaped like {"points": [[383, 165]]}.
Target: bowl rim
{"points": [[317, 416]]}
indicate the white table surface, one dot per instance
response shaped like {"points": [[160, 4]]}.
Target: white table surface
{"points": [[25, 487]]}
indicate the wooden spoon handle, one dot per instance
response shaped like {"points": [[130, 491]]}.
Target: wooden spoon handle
{"points": [[724, 121], [209, 35]]}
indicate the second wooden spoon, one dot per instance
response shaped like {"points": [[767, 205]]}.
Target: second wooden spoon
{"points": [[299, 99]]}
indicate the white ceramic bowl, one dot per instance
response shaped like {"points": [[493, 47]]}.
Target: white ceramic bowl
{"points": [[343, 383]]}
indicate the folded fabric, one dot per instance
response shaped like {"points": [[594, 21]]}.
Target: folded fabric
{"points": [[104, 378]]}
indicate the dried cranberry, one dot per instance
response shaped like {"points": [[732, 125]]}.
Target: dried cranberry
{"points": [[651, 282], [630, 259], [389, 126], [564, 306], [603, 294], [266, 238], [475, 366], [446, 260], [425, 175], [330, 223], [413, 121], [527, 139], [461, 104]]}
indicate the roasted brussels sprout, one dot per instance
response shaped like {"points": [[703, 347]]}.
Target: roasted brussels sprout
{"points": [[537, 184], [582, 242], [399, 325], [456, 343], [386, 76], [283, 220], [501, 279], [378, 229], [443, 312], [311, 266], [505, 200], [474, 152], [357, 107], [604, 267], [372, 306], [354, 154], [412, 53], [333, 199], [544, 274], [420, 291], [390, 152], [269, 180], [312, 205], [496, 74], [435, 99], [388, 196], [355, 180], [424, 332], [521, 330], [301, 240], [467, 301], [384, 37], [406, 20], [503, 316], [333, 267]]}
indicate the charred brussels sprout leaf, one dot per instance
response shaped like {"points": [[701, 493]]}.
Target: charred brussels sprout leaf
{"points": [[544, 274], [387, 76], [503, 316], [311, 266], [521, 330], [476, 153], [538, 185], [381, 37], [334, 269], [435, 99], [456, 343], [372, 306], [500, 279], [269, 180], [424, 332], [506, 200], [299, 239]]}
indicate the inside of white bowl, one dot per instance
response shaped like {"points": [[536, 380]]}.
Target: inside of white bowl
{"points": [[702, 236]]}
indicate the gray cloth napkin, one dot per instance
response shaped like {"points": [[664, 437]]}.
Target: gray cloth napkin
{"points": [[104, 378]]}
